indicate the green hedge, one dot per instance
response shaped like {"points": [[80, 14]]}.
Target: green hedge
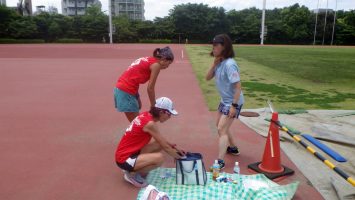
{"points": [[20, 41], [164, 41], [69, 40]]}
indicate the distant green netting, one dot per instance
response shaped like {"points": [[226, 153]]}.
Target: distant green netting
{"points": [[216, 190]]}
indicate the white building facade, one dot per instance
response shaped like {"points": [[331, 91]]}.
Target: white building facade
{"points": [[77, 7], [134, 9]]}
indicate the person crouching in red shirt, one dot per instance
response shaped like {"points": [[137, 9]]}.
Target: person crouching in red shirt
{"points": [[137, 152]]}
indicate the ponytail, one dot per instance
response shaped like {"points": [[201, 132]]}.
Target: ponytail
{"points": [[156, 53], [163, 53]]}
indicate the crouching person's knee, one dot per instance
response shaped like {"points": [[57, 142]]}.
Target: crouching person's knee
{"points": [[159, 159], [158, 148]]}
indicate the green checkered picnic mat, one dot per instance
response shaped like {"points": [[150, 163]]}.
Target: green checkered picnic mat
{"points": [[216, 190]]}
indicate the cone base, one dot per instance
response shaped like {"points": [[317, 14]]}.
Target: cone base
{"points": [[285, 172], [265, 169]]}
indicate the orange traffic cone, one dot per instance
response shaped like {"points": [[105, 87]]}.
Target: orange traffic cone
{"points": [[271, 163]]}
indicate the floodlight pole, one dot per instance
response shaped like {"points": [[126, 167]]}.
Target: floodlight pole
{"points": [[263, 24], [315, 26], [335, 16], [325, 22], [110, 19]]}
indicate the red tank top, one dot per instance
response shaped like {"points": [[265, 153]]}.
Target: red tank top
{"points": [[137, 73], [135, 138]]}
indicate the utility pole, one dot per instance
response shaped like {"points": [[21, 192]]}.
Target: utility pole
{"points": [[315, 26], [76, 7], [325, 22], [263, 23], [110, 19], [335, 16]]}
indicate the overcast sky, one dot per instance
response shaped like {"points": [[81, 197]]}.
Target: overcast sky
{"points": [[160, 8]]}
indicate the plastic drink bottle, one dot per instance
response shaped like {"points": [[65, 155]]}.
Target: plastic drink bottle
{"points": [[236, 168], [215, 170]]}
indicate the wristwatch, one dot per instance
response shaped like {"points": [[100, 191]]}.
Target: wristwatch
{"points": [[235, 105]]}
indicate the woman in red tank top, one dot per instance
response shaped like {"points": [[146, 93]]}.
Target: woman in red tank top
{"points": [[140, 148], [142, 70]]}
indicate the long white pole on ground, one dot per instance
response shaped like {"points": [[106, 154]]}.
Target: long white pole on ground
{"points": [[315, 26], [110, 19], [263, 24], [335, 16]]}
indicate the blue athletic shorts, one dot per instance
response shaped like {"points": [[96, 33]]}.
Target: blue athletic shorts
{"points": [[224, 109], [125, 102]]}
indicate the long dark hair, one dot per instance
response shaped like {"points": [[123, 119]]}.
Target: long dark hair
{"points": [[226, 42], [155, 112]]}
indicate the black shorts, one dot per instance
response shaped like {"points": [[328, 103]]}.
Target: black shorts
{"points": [[129, 164]]}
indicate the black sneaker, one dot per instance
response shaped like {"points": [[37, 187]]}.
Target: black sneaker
{"points": [[233, 150], [221, 164]]}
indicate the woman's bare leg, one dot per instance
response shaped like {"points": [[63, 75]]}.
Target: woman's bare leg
{"points": [[148, 161], [131, 115], [223, 130]]}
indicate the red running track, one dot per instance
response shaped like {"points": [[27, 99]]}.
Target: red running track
{"points": [[59, 128]]}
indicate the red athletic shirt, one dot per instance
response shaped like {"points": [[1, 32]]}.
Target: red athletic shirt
{"points": [[137, 73], [135, 138]]}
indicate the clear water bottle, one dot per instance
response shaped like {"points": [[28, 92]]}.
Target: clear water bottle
{"points": [[215, 170], [236, 168]]}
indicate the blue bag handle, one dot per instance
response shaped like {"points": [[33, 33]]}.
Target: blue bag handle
{"points": [[192, 156]]}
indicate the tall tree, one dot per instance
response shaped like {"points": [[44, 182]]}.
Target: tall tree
{"points": [[145, 29], [296, 23], [94, 25], [164, 28], [275, 33], [124, 31], [43, 22], [198, 21], [345, 34], [7, 17], [245, 25], [23, 28]]}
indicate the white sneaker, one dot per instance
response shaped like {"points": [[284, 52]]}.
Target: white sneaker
{"points": [[135, 179]]}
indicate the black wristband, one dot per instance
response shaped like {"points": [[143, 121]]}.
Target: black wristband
{"points": [[235, 105]]}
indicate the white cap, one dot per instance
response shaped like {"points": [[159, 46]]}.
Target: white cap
{"points": [[165, 103], [236, 163]]}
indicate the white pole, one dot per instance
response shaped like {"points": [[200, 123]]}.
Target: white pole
{"points": [[110, 19], [263, 23], [335, 16], [315, 26], [325, 22]]}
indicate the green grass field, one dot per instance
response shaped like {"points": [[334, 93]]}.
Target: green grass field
{"points": [[293, 77]]}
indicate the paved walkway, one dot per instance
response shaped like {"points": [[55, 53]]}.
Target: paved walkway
{"points": [[59, 129]]}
